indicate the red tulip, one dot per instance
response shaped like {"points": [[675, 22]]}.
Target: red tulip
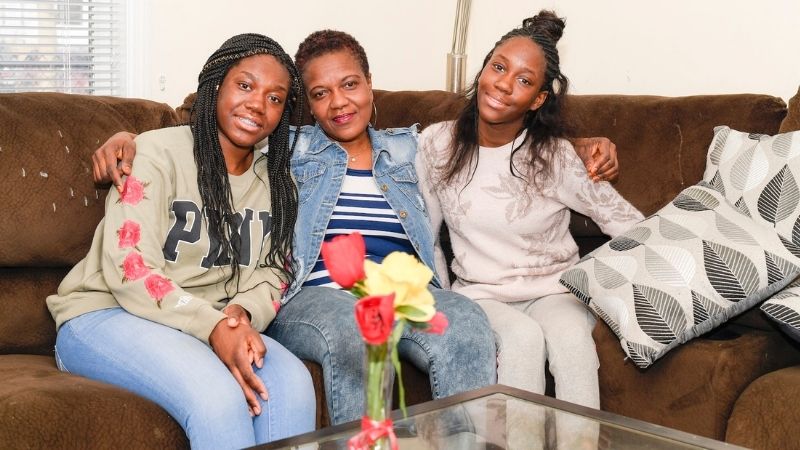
{"points": [[375, 317], [437, 324], [344, 259]]}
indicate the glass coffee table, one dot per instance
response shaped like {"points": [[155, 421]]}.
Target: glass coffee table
{"points": [[501, 417]]}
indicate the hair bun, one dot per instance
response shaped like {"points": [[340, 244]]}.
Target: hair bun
{"points": [[547, 23]]}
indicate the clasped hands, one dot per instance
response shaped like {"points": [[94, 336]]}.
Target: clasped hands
{"points": [[239, 347]]}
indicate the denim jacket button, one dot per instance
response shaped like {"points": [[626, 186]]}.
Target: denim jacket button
{"points": [[403, 214], [384, 188]]}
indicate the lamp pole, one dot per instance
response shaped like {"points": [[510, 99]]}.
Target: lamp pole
{"points": [[457, 59]]}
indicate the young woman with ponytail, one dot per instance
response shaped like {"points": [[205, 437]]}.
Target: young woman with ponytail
{"points": [[503, 178]]}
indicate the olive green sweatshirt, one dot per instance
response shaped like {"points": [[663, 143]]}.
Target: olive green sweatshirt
{"points": [[152, 256]]}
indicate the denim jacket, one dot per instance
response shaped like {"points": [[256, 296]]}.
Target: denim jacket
{"points": [[319, 165]]}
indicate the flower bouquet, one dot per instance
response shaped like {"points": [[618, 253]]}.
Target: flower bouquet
{"points": [[390, 295]]}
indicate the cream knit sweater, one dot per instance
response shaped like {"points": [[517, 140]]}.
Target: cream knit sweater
{"points": [[510, 241]]}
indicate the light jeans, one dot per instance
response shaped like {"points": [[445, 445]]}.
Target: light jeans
{"points": [[185, 377], [318, 324]]}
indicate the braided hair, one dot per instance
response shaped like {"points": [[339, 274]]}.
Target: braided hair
{"points": [[212, 174], [544, 125]]}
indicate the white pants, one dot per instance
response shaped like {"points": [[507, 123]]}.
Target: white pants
{"points": [[556, 328]]}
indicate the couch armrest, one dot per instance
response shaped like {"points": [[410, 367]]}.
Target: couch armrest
{"points": [[766, 414]]}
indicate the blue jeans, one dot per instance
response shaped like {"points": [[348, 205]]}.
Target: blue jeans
{"points": [[318, 324], [186, 378]]}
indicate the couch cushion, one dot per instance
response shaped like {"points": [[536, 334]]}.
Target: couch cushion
{"points": [[26, 325], [766, 415], [680, 273], [41, 407], [792, 120], [692, 389], [405, 108], [50, 204]]}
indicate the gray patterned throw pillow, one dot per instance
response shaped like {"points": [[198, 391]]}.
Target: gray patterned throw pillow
{"points": [[681, 272], [760, 175]]}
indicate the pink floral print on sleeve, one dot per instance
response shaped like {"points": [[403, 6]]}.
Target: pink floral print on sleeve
{"points": [[158, 287], [129, 234], [134, 268], [132, 191]]}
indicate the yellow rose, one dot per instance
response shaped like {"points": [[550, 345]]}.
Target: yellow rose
{"points": [[406, 277]]}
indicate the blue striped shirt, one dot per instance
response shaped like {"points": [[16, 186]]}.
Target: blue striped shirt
{"points": [[361, 207]]}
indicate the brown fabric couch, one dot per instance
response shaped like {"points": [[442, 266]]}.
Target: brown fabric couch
{"points": [[738, 383]]}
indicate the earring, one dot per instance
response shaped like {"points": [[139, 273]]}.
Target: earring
{"points": [[375, 113]]}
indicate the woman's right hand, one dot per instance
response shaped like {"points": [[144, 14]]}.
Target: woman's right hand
{"points": [[239, 347], [114, 159]]}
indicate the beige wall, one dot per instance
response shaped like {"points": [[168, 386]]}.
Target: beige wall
{"points": [[678, 47]]}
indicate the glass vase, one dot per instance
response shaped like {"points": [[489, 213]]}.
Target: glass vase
{"points": [[378, 383]]}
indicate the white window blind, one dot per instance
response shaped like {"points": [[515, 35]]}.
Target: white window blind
{"points": [[73, 46]]}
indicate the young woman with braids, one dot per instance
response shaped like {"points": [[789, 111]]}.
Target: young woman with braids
{"points": [[184, 268], [352, 177], [503, 178]]}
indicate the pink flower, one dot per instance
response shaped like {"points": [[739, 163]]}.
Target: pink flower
{"points": [[344, 259], [132, 191], [129, 234], [133, 267], [158, 287], [437, 324], [375, 317], [277, 305]]}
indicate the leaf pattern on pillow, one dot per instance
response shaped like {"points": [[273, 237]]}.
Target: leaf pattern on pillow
{"points": [[791, 246], [703, 308], [720, 138], [642, 355], [674, 231], [630, 239], [782, 144], [695, 199], [659, 315], [626, 265], [577, 281], [730, 273], [778, 268], [780, 197], [796, 232], [608, 277], [732, 231], [717, 184], [673, 266], [750, 168], [741, 206], [782, 314]]}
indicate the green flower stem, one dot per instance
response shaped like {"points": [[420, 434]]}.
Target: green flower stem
{"points": [[358, 290], [376, 362], [395, 338]]}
